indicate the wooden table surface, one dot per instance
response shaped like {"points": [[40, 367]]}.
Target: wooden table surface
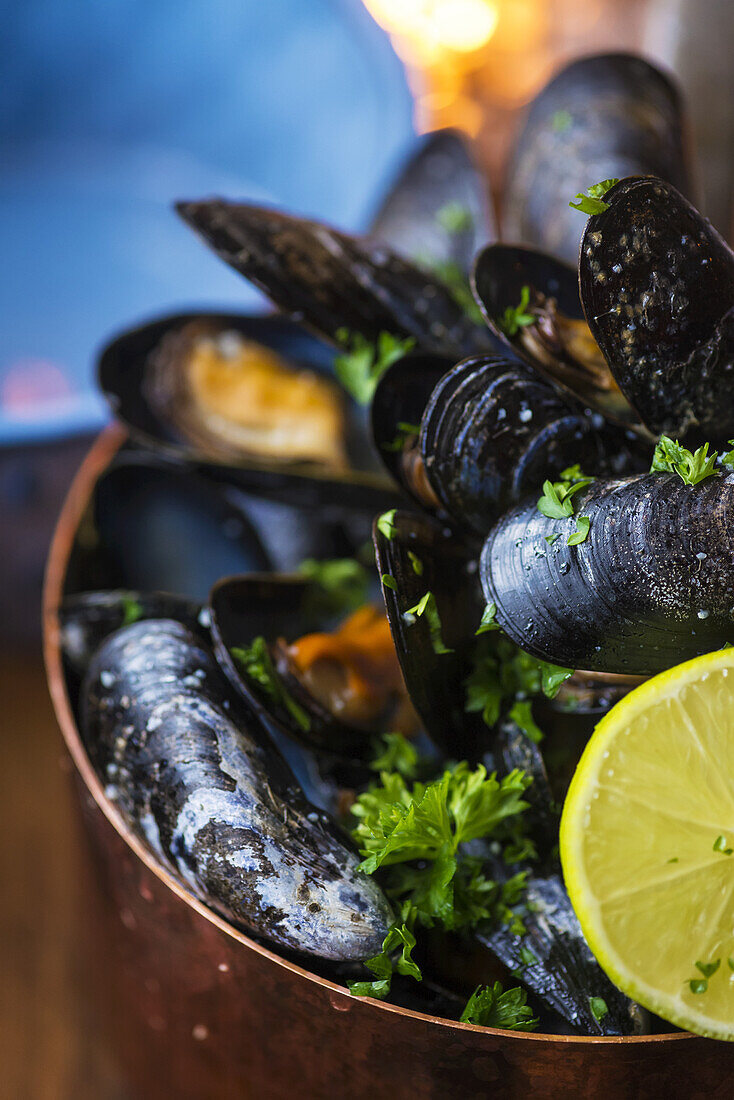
{"points": [[48, 1046]]}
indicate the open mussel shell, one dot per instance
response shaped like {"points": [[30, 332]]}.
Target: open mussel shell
{"points": [[652, 584], [194, 775], [602, 117], [158, 526], [332, 281], [657, 286], [559, 344], [396, 412], [87, 618], [493, 431], [441, 179], [279, 607], [138, 375], [434, 648]]}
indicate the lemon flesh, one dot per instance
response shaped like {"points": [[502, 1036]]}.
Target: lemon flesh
{"points": [[646, 831]]}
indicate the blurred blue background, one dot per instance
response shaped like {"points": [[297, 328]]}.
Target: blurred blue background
{"points": [[113, 108]]}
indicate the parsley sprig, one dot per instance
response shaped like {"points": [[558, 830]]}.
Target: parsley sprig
{"points": [[132, 610], [692, 467], [341, 583], [427, 609], [590, 201], [257, 664], [413, 836], [493, 1006], [504, 676], [516, 317], [457, 285], [404, 432], [394, 958], [395, 754], [557, 503], [363, 363]]}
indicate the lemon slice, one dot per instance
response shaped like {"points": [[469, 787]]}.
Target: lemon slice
{"points": [[646, 844]]}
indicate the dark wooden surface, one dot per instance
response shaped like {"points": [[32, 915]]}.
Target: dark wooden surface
{"points": [[50, 1048]]}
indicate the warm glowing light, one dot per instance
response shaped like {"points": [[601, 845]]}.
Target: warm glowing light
{"points": [[432, 26]]}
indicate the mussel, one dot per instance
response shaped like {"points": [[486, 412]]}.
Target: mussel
{"points": [[438, 209], [657, 287], [334, 282], [330, 684], [192, 773], [605, 116], [551, 335], [651, 585], [221, 392]]}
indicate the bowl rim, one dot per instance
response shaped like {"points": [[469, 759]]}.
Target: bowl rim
{"points": [[102, 451]]}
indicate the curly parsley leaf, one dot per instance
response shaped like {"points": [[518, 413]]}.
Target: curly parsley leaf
{"points": [[493, 1006], [502, 674], [489, 619], [521, 712], [599, 1008], [396, 754], [413, 837], [363, 364], [257, 664], [590, 201], [428, 609], [720, 845], [398, 939], [341, 582], [556, 502], [516, 317], [691, 467], [457, 284], [389, 582]]}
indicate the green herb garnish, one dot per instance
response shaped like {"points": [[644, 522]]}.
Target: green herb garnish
{"points": [[341, 582], [416, 562], [396, 754], [492, 1006], [132, 610], [405, 431], [454, 218], [707, 969], [489, 619], [698, 985], [690, 466], [414, 836], [516, 317], [502, 674], [427, 608], [728, 458], [257, 664], [590, 201], [561, 121], [389, 582], [388, 962], [720, 846], [521, 712], [386, 523], [583, 524], [598, 1008], [457, 284], [363, 364], [556, 502]]}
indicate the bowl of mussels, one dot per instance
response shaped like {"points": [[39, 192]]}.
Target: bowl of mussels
{"points": [[388, 633]]}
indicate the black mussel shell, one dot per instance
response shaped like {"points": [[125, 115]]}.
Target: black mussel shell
{"points": [[131, 376], [559, 346], [398, 405], [87, 618], [189, 769], [554, 962], [493, 431], [657, 285], [332, 281], [602, 117], [440, 180], [162, 527], [652, 584], [273, 607], [435, 648]]}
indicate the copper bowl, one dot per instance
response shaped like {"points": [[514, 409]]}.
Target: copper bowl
{"points": [[194, 1008]]}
